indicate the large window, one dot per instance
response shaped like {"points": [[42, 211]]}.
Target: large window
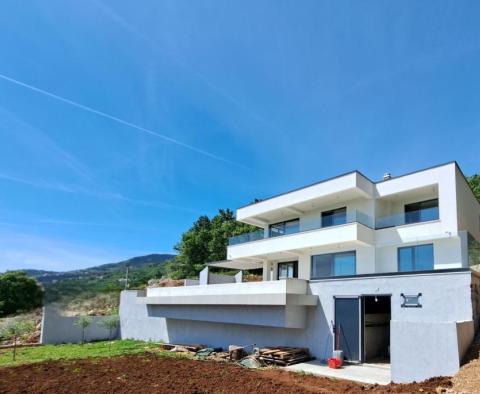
{"points": [[415, 258], [333, 264], [334, 217], [421, 211], [283, 228], [287, 270]]}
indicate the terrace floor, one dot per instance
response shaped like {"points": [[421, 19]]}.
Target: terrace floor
{"points": [[365, 373]]}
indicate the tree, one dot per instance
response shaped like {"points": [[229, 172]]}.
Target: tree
{"points": [[110, 323], [204, 242], [224, 226], [83, 322], [18, 293], [15, 329], [474, 181]]}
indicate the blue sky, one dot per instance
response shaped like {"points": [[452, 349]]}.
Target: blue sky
{"points": [[121, 122]]}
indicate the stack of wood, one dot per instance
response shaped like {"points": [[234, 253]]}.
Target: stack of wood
{"points": [[281, 355]]}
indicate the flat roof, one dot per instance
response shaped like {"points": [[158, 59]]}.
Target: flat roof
{"points": [[353, 172]]}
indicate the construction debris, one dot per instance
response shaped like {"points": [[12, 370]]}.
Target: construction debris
{"points": [[182, 348], [281, 355], [278, 355], [251, 362], [203, 353], [236, 352]]}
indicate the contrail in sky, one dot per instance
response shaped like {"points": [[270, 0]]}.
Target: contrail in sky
{"points": [[121, 121]]}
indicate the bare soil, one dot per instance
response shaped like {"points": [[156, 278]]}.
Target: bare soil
{"points": [[152, 374], [467, 380]]}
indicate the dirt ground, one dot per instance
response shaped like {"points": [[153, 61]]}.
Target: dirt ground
{"points": [[467, 380], [152, 374]]}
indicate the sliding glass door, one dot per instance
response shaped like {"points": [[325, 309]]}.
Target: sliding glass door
{"points": [[333, 264]]}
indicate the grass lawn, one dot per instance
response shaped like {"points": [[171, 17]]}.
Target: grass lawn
{"points": [[96, 349]]}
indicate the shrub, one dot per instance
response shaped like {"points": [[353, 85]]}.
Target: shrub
{"points": [[18, 293], [83, 322], [15, 329]]}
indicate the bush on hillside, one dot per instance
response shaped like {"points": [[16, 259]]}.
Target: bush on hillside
{"points": [[18, 293]]}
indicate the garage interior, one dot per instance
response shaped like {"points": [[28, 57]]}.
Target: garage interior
{"points": [[376, 328]]}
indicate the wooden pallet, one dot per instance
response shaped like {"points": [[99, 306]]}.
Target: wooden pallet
{"points": [[281, 355]]}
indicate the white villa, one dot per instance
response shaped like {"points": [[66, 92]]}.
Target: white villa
{"points": [[385, 271]]}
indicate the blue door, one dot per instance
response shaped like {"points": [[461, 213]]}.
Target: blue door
{"points": [[347, 327]]}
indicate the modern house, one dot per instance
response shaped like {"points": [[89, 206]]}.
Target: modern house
{"points": [[385, 271]]}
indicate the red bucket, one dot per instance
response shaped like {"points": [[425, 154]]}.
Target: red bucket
{"points": [[334, 363]]}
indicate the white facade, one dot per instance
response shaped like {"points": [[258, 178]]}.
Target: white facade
{"points": [[377, 269], [369, 206]]}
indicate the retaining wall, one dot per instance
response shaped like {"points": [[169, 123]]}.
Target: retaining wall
{"points": [[58, 329], [425, 342]]}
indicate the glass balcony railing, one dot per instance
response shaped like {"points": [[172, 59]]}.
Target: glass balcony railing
{"points": [[422, 215], [247, 237], [333, 220]]}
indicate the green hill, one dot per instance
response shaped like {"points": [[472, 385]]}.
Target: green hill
{"points": [[106, 278]]}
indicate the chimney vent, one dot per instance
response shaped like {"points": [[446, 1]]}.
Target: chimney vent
{"points": [[387, 176]]}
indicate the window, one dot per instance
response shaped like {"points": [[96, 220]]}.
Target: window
{"points": [[333, 264], [283, 228], [415, 258], [421, 211], [334, 217], [287, 270]]}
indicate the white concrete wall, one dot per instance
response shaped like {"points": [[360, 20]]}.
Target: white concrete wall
{"points": [[465, 335], [313, 218], [444, 182], [290, 286], [421, 350], [348, 182], [383, 259], [136, 323], [58, 329], [443, 176], [436, 319], [447, 253], [468, 208], [365, 256], [352, 232]]}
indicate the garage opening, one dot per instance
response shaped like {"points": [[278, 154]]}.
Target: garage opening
{"points": [[376, 329]]}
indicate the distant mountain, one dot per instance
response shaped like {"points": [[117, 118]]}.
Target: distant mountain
{"points": [[103, 278], [48, 277], [37, 273], [139, 261]]}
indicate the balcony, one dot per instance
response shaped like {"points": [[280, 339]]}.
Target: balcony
{"points": [[411, 217], [333, 220], [288, 246], [281, 292], [280, 303], [345, 187]]}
